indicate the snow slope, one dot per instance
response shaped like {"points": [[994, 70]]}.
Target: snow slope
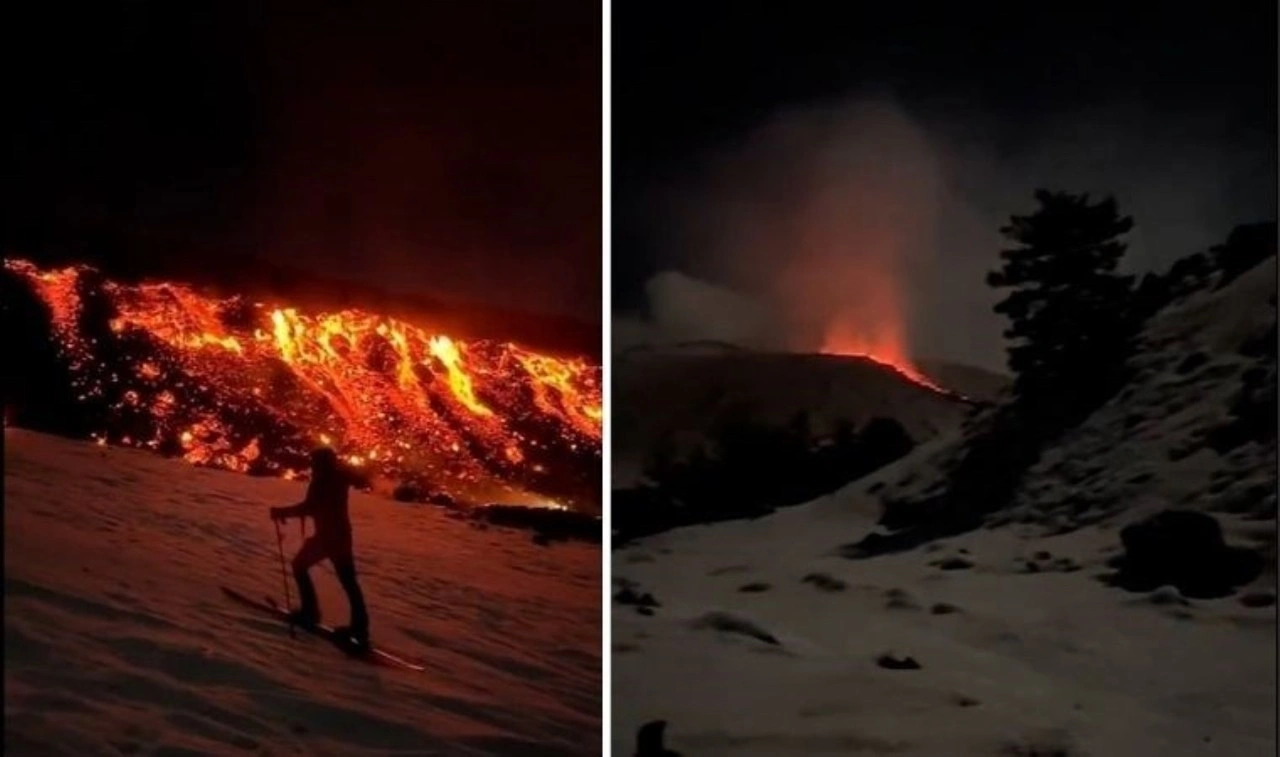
{"points": [[1021, 651], [1045, 663], [118, 641], [1149, 447]]}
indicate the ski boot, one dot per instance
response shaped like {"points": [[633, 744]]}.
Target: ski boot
{"points": [[304, 618], [353, 641]]}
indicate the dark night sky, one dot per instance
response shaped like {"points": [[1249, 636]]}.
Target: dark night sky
{"points": [[448, 149], [1172, 110]]}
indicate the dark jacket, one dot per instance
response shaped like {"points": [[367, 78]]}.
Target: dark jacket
{"points": [[326, 505]]}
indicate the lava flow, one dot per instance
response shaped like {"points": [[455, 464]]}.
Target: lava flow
{"points": [[253, 387], [885, 345]]}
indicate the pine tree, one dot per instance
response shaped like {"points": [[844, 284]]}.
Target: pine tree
{"points": [[1069, 311]]}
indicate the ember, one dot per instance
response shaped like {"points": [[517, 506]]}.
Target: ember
{"points": [[253, 387]]}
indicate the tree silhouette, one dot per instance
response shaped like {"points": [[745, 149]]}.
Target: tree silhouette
{"points": [[1072, 320], [1069, 311]]}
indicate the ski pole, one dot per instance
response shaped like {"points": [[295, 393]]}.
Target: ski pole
{"points": [[284, 575]]}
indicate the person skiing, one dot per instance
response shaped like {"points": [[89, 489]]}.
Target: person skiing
{"points": [[326, 505]]}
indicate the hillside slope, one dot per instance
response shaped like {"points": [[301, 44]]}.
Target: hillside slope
{"points": [[1192, 428], [683, 392], [1017, 648], [118, 641]]}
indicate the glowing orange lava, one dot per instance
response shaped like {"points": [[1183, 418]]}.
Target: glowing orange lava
{"points": [[252, 386], [883, 343]]}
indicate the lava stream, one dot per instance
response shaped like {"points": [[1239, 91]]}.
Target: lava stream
{"points": [[251, 386]]}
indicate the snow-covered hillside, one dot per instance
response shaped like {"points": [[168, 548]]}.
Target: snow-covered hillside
{"points": [[118, 641], [762, 639], [1155, 444]]}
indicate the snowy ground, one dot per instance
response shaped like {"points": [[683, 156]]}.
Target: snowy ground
{"points": [[118, 641], [1046, 663], [1020, 661]]}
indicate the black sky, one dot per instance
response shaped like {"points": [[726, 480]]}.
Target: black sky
{"points": [[1015, 88], [449, 149]]}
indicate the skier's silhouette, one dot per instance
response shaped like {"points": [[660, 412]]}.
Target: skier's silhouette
{"points": [[326, 505]]}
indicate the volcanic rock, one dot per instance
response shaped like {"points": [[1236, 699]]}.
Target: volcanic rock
{"points": [[731, 623], [889, 662], [650, 738], [824, 582], [630, 596], [952, 563], [1184, 549], [1258, 599]]}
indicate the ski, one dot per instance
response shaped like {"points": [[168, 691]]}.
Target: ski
{"points": [[375, 655]]}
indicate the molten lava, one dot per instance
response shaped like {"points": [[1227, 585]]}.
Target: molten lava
{"points": [[253, 387], [884, 344]]}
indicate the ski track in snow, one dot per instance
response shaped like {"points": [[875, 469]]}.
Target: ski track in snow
{"points": [[118, 640]]}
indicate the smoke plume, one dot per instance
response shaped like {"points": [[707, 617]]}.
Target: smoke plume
{"points": [[860, 226]]}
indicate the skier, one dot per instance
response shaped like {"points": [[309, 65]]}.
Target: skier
{"points": [[326, 505]]}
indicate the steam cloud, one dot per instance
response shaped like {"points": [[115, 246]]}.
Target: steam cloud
{"points": [[860, 226]]}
